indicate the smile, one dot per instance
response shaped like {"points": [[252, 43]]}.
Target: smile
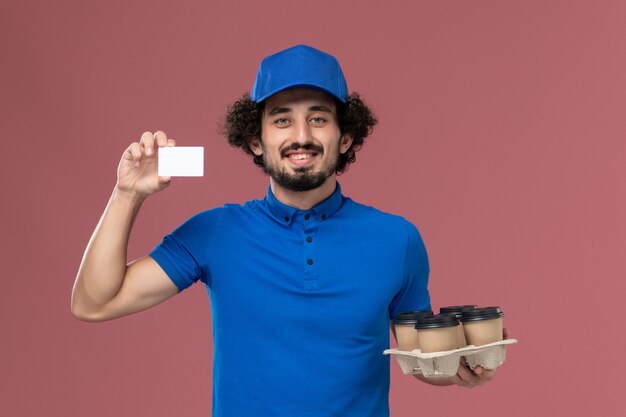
{"points": [[300, 156]]}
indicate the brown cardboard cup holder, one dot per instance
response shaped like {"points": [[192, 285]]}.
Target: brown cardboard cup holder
{"points": [[445, 364]]}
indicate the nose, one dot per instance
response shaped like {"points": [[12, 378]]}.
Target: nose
{"points": [[302, 134]]}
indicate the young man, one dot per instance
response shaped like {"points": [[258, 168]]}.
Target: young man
{"points": [[303, 283]]}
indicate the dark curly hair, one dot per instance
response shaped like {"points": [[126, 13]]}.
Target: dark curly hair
{"points": [[242, 123]]}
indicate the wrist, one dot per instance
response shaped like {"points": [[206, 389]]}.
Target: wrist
{"points": [[128, 196]]}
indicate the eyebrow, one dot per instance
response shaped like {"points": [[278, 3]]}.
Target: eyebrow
{"points": [[277, 110]]}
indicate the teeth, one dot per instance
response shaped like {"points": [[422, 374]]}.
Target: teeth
{"points": [[301, 156]]}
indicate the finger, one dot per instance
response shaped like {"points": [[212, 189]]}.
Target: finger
{"points": [[468, 375], [505, 333], [161, 138], [147, 140], [135, 151], [171, 142], [487, 376], [483, 374], [457, 380], [165, 180]]}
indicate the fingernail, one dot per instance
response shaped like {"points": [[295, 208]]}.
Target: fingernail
{"points": [[149, 151]]}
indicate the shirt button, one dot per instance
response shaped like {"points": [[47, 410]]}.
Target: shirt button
{"points": [[309, 239], [323, 217], [310, 261], [307, 216]]}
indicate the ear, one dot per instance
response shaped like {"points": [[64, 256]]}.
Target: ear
{"points": [[346, 141], [255, 146]]}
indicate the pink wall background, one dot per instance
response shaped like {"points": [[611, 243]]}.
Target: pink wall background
{"points": [[501, 137]]}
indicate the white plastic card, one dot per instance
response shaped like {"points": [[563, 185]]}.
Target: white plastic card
{"points": [[181, 161]]}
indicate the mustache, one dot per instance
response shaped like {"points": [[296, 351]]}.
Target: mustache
{"points": [[307, 147]]}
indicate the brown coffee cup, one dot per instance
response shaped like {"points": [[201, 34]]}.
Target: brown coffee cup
{"points": [[404, 324], [457, 311], [437, 333], [482, 325]]}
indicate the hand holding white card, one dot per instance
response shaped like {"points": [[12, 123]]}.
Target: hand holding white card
{"points": [[181, 161]]}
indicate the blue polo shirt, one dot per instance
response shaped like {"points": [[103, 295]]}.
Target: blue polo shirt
{"points": [[301, 302]]}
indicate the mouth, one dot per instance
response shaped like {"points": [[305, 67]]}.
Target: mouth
{"points": [[301, 158]]}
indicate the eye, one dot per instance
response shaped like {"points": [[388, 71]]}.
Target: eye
{"points": [[281, 121], [317, 120]]}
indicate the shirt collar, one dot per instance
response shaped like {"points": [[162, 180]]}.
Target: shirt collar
{"points": [[323, 210]]}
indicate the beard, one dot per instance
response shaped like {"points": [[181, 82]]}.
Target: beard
{"points": [[303, 179]]}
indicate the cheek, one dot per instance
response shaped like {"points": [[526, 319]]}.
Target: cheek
{"points": [[272, 138], [270, 153]]}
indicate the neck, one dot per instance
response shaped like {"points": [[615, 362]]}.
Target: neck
{"points": [[304, 200]]}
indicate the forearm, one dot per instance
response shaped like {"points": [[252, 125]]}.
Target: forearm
{"points": [[103, 266]]}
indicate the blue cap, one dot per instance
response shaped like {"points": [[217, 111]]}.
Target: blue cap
{"points": [[299, 66]]}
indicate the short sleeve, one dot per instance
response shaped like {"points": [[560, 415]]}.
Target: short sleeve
{"points": [[183, 254], [414, 292]]}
